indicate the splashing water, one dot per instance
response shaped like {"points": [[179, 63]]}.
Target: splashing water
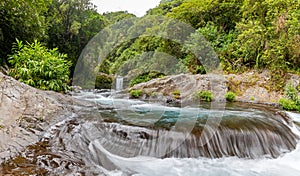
{"points": [[132, 137], [135, 138], [119, 83]]}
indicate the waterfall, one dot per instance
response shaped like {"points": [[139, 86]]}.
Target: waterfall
{"points": [[141, 129], [253, 142], [119, 83]]}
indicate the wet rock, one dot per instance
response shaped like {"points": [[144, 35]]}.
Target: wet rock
{"points": [[76, 89], [173, 101]]}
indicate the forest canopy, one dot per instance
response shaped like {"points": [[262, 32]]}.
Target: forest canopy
{"points": [[245, 34]]}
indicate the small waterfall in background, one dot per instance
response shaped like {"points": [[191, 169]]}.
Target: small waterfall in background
{"points": [[119, 83]]}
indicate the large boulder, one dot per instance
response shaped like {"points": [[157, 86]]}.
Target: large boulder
{"points": [[187, 85], [249, 86], [25, 113]]}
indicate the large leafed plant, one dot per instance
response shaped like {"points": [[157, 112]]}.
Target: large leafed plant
{"points": [[40, 67]]}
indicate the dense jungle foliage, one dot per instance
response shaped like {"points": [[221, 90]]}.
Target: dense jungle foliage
{"points": [[245, 34]]}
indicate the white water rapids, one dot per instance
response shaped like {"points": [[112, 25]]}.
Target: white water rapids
{"points": [[287, 164]]}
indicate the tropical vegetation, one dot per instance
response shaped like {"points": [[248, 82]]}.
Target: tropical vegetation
{"points": [[244, 34], [39, 67], [292, 100], [230, 96], [204, 95], [136, 93]]}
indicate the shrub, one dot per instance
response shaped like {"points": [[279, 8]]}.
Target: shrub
{"points": [[176, 94], [230, 96], [292, 101], [103, 81], [291, 93], [136, 93], [154, 94], [39, 67], [204, 96], [288, 104], [146, 77]]}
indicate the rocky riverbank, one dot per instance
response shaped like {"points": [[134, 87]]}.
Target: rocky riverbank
{"points": [[28, 115], [26, 112], [249, 87]]}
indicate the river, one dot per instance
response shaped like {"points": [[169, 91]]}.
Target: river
{"points": [[123, 136]]}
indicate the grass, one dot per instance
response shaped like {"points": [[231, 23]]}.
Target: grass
{"points": [[176, 94], [230, 96], [289, 104], [204, 96], [136, 93]]}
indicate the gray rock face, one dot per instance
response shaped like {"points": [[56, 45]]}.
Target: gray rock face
{"points": [[25, 112], [249, 86], [187, 85]]}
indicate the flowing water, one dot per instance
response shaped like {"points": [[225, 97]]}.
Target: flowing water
{"points": [[119, 83], [131, 137]]}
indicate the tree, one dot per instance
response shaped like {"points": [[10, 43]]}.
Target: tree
{"points": [[224, 13], [268, 35], [73, 24], [22, 19], [114, 17], [164, 7]]}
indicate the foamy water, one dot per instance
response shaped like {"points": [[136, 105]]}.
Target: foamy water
{"points": [[285, 165]]}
